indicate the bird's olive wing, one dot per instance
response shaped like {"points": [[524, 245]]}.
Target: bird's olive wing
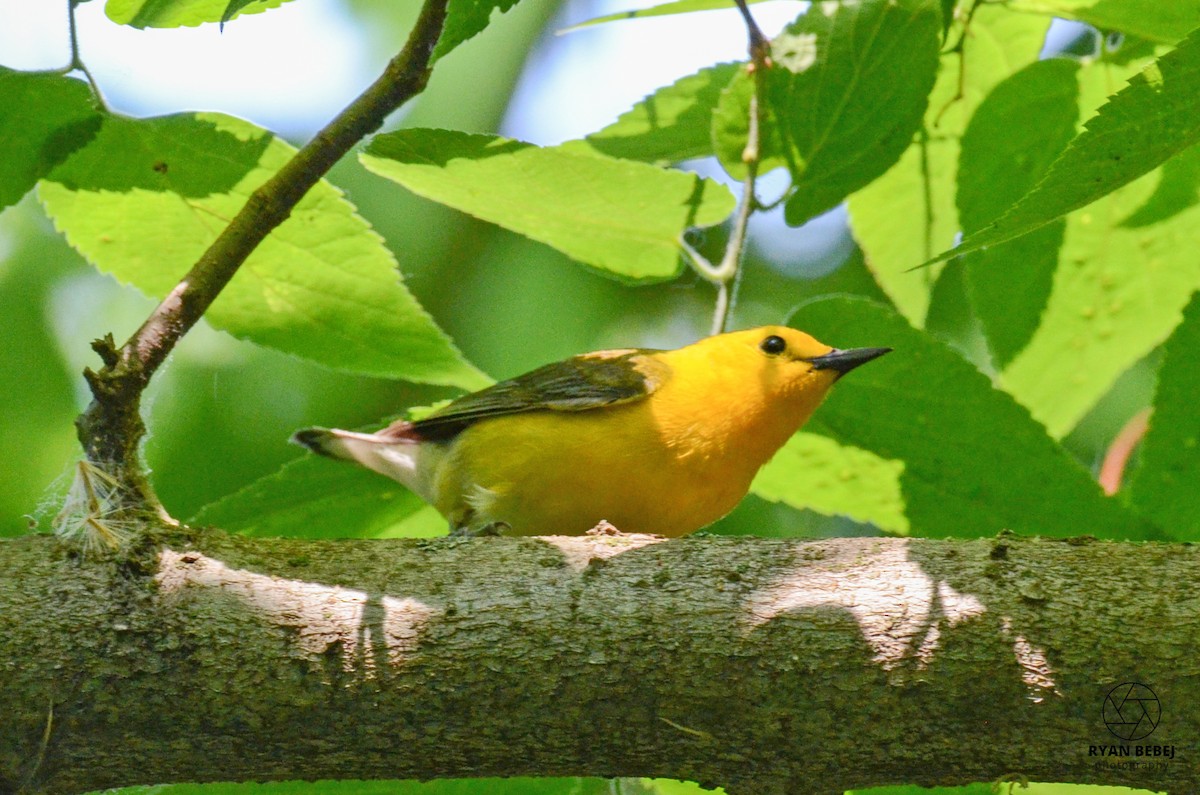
{"points": [[583, 382]]}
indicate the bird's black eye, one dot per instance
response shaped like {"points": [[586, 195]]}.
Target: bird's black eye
{"points": [[773, 345]]}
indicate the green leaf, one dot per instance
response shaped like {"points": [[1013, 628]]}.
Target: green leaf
{"points": [[816, 473], [1118, 292], [1002, 157], [464, 20], [1164, 485], [186, 13], [909, 214], [731, 128], [622, 216], [314, 497], [667, 786], [974, 461], [44, 117], [661, 10], [670, 125], [146, 198], [1165, 21], [1149, 121], [848, 91]]}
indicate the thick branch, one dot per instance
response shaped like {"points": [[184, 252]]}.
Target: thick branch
{"points": [[111, 429], [766, 666]]}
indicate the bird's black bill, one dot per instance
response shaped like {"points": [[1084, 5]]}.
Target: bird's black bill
{"points": [[845, 361]]}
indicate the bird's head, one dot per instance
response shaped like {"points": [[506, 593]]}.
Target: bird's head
{"points": [[789, 362]]}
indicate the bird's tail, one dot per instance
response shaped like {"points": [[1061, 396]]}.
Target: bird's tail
{"points": [[397, 459]]}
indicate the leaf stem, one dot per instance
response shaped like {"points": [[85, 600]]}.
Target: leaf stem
{"points": [[111, 428], [76, 63], [724, 274]]}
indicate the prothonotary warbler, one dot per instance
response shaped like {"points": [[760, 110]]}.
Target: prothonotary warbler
{"points": [[652, 441]]}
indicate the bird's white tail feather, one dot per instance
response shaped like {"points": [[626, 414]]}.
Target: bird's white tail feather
{"points": [[394, 459]]}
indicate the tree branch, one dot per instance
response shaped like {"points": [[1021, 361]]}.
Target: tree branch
{"points": [[111, 428], [763, 665]]}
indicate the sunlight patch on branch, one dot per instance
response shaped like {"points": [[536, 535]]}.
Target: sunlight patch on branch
{"points": [[324, 617]]}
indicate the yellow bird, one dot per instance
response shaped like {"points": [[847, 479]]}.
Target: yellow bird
{"points": [[652, 441]]}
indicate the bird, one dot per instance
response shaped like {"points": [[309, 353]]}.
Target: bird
{"points": [[662, 442]]}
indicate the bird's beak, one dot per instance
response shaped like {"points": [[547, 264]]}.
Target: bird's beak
{"points": [[845, 361]]}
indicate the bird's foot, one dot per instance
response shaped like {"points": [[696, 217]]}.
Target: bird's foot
{"points": [[491, 529]]}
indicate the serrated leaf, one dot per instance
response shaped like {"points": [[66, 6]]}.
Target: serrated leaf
{"points": [[731, 128], [464, 20], [974, 460], [315, 497], [816, 473], [618, 215], [849, 108], [44, 117], [182, 13], [1117, 293], [909, 214], [1165, 21], [1156, 116], [661, 10], [1163, 487], [147, 197], [670, 125], [1002, 157]]}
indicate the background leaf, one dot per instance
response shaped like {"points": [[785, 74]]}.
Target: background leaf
{"points": [[464, 20], [315, 497], [974, 461], [1166, 21], [1002, 157], [622, 216], [660, 10], [1164, 486], [177, 13], [670, 125], [146, 198], [1117, 293], [44, 117], [848, 115], [909, 214], [816, 473], [1149, 121]]}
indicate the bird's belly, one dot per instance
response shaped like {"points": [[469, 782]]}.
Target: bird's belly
{"points": [[561, 474]]}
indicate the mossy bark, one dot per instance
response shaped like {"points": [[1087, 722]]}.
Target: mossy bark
{"points": [[762, 665]]}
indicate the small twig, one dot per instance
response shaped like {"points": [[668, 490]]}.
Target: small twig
{"points": [[1112, 471], [724, 274], [76, 64], [111, 428], [47, 733], [960, 49]]}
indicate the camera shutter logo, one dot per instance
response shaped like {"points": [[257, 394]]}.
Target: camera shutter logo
{"points": [[1131, 711]]}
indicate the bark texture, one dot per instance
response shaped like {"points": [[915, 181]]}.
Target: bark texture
{"points": [[765, 666]]}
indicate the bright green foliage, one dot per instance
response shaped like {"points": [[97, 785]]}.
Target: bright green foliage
{"points": [[1164, 487], [974, 461], [1166, 21], [465, 19], [146, 198], [618, 215], [1018, 130], [731, 128], [661, 10], [1117, 293], [1152, 119], [670, 125], [176, 13], [909, 214], [43, 118], [817, 473], [314, 497], [911, 789], [848, 91]]}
